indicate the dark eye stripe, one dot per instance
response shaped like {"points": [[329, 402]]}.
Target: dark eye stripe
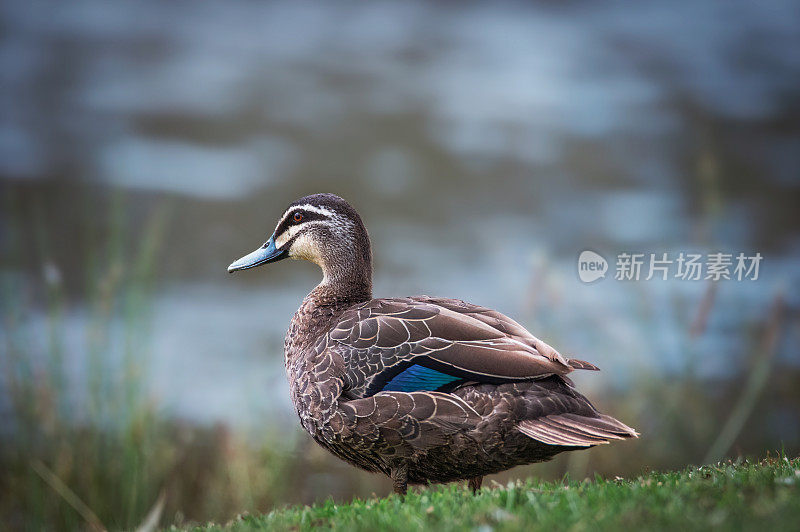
{"points": [[307, 216]]}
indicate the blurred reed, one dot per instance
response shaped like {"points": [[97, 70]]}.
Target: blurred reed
{"points": [[100, 457], [756, 383]]}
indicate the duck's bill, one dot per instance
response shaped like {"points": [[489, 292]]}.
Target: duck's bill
{"points": [[263, 255]]}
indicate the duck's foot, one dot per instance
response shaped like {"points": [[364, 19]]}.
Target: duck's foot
{"points": [[400, 479], [475, 484]]}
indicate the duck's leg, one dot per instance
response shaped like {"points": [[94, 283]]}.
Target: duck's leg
{"points": [[400, 479], [475, 484]]}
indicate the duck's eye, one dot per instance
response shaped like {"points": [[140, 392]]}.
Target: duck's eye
{"points": [[298, 217]]}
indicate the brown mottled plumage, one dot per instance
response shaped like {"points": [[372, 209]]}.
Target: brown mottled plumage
{"points": [[421, 389]]}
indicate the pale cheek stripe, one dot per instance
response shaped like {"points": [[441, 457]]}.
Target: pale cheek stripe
{"points": [[284, 237], [287, 235]]}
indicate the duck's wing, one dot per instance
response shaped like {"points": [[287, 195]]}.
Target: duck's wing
{"points": [[507, 326], [423, 343]]}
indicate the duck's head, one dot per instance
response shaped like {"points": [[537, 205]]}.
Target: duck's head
{"points": [[323, 229]]}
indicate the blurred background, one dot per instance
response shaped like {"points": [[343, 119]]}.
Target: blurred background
{"points": [[146, 145]]}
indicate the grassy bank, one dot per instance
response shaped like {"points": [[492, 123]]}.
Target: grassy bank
{"points": [[735, 496]]}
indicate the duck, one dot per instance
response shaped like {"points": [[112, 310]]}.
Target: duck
{"points": [[421, 389]]}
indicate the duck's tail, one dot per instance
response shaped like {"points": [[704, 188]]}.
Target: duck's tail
{"points": [[574, 363], [576, 430]]}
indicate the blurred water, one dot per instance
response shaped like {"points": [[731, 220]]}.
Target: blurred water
{"points": [[486, 146]]}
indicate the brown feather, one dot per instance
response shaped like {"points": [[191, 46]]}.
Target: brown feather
{"points": [[582, 364], [575, 430]]}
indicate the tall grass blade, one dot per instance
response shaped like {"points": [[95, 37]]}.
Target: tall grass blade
{"points": [[153, 517], [68, 495], [759, 375]]}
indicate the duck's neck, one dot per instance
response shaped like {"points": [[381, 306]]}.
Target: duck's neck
{"points": [[347, 275], [322, 307], [347, 281], [336, 294]]}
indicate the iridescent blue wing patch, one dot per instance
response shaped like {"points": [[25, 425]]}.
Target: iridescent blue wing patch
{"points": [[417, 378]]}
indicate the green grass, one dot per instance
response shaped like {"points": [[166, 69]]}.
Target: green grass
{"points": [[737, 496]]}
